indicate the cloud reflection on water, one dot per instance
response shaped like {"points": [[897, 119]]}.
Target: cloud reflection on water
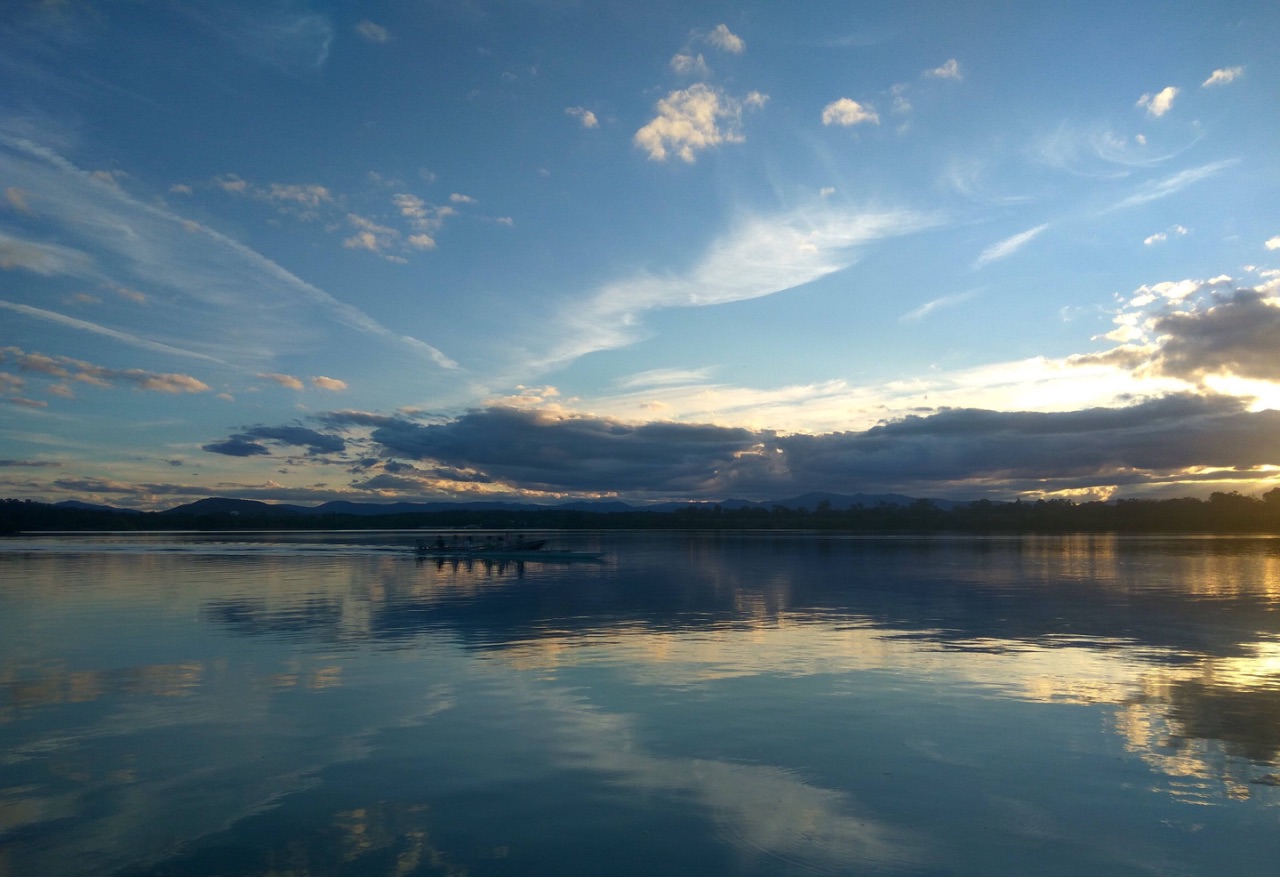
{"points": [[1176, 643]]}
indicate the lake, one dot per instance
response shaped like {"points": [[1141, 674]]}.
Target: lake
{"points": [[700, 704]]}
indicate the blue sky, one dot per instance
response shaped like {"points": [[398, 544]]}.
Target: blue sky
{"points": [[426, 249]]}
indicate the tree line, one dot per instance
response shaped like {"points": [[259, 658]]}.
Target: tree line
{"points": [[1221, 513]]}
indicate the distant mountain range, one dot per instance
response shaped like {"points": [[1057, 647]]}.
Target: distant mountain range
{"points": [[250, 507]]}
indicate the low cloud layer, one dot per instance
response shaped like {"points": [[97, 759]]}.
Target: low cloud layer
{"points": [[958, 452]]}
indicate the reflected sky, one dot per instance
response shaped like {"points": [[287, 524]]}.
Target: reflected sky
{"points": [[737, 704]]}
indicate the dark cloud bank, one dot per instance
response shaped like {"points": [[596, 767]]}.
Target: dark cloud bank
{"points": [[959, 452]]}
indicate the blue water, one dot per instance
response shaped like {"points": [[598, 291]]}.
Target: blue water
{"points": [[755, 704]]}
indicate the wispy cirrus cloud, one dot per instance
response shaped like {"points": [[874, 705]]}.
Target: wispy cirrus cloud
{"points": [[86, 326], [1173, 184], [44, 258], [208, 274], [760, 257], [1007, 247], [374, 33], [937, 304], [294, 40]]}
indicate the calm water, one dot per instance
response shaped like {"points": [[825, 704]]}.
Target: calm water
{"points": [[746, 704]]}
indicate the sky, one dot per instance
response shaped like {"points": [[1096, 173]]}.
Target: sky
{"points": [[545, 250]]}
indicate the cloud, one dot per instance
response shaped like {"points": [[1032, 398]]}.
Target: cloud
{"points": [[100, 376], [204, 272], [901, 102], [692, 120], [86, 326], [287, 381], [949, 70], [583, 115], [333, 385], [690, 65], [847, 112], [237, 446], [543, 451], [1173, 184], [42, 258], [17, 199], [248, 443], [929, 307], [722, 39], [374, 33], [1238, 333], [378, 239], [1162, 236], [302, 200], [1197, 329], [426, 219], [1008, 246], [956, 449], [1273, 243], [1159, 103], [309, 195], [296, 42], [1222, 76], [761, 256]]}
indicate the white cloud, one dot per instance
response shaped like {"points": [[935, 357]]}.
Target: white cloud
{"points": [[1173, 184], [1008, 246], [1273, 243], [949, 70], [583, 115], [723, 39], [1222, 76], [847, 112], [374, 33], [690, 65], [332, 384], [458, 198], [1159, 103], [761, 257], [1161, 236], [692, 120], [929, 307]]}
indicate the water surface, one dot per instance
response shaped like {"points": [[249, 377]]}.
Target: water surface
{"points": [[316, 704]]}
